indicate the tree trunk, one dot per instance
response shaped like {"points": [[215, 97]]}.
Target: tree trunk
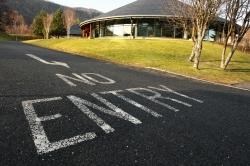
{"points": [[198, 47], [68, 32], [47, 35], [230, 55], [191, 58], [223, 55]]}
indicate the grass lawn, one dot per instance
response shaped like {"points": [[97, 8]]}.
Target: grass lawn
{"points": [[13, 37], [170, 55], [4, 36]]}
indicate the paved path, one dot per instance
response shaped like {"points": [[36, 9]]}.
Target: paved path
{"points": [[61, 109]]}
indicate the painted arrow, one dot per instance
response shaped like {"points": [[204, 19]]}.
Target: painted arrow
{"points": [[48, 63]]}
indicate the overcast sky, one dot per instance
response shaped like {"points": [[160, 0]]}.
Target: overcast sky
{"points": [[101, 5]]}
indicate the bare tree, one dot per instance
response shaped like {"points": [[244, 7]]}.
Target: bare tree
{"points": [[69, 19], [203, 12], [195, 16], [181, 15], [17, 23], [47, 21], [184, 16], [236, 11]]}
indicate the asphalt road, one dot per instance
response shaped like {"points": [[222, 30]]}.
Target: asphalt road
{"points": [[81, 111]]}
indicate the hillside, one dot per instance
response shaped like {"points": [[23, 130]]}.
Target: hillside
{"points": [[30, 8]]}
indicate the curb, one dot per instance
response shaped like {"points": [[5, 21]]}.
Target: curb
{"points": [[198, 79]]}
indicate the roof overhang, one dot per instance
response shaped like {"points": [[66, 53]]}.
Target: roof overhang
{"points": [[122, 17]]}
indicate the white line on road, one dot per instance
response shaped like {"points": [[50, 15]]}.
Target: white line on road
{"points": [[47, 118], [86, 78], [78, 78], [48, 63], [155, 96], [136, 104], [40, 138], [42, 142], [166, 89], [118, 110], [106, 80], [81, 104]]}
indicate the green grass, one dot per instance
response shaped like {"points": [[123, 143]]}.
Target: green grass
{"points": [[9, 37], [4, 37], [170, 55]]}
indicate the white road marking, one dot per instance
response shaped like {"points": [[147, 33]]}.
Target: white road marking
{"points": [[136, 104], [41, 141], [126, 116], [155, 96], [108, 80], [47, 118], [40, 138], [85, 78], [166, 89], [81, 104], [78, 78], [117, 112], [48, 63]]}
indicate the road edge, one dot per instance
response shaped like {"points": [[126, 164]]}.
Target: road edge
{"points": [[150, 68], [198, 79]]}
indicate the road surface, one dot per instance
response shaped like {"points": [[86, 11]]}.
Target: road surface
{"points": [[61, 109]]}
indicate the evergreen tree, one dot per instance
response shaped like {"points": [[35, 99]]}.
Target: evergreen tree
{"points": [[37, 25], [58, 24]]}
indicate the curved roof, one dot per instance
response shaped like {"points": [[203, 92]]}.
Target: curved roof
{"points": [[139, 8]]}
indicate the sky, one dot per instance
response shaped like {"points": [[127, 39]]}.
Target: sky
{"points": [[101, 5]]}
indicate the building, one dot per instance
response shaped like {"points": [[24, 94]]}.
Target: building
{"points": [[140, 19], [75, 31]]}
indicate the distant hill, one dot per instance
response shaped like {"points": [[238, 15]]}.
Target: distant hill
{"points": [[30, 8]]}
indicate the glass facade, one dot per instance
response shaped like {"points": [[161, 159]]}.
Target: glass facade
{"points": [[137, 27], [118, 30]]}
